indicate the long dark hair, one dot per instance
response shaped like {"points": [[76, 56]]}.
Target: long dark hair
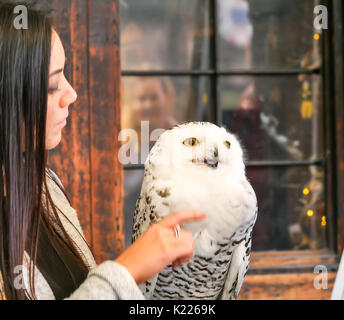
{"points": [[24, 79]]}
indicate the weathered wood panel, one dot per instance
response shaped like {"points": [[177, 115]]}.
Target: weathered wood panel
{"points": [[288, 275], [285, 287], [288, 253], [292, 259], [71, 159], [86, 160], [106, 171], [79, 130]]}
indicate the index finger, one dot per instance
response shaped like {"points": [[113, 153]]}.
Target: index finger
{"points": [[182, 216]]}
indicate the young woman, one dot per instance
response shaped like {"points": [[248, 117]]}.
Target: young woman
{"points": [[43, 253]]}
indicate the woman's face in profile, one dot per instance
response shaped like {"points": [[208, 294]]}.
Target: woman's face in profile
{"points": [[60, 95]]}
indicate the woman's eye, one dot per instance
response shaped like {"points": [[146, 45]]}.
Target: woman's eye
{"points": [[191, 142], [53, 89], [228, 144]]}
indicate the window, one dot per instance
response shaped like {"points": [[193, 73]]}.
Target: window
{"points": [[253, 66]]}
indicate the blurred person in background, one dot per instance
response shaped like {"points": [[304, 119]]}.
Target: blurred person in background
{"points": [[144, 99]]}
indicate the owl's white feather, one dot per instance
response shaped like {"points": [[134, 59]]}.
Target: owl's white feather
{"points": [[208, 177]]}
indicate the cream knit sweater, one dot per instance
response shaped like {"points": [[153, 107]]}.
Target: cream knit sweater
{"points": [[106, 281]]}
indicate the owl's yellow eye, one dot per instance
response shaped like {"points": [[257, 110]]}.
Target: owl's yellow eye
{"points": [[228, 144], [191, 142]]}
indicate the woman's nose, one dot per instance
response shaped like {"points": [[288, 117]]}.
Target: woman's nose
{"points": [[74, 95], [69, 97]]}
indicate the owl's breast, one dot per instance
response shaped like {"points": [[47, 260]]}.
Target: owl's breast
{"points": [[227, 201], [203, 277]]}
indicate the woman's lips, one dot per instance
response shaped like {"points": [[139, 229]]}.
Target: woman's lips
{"points": [[62, 123]]}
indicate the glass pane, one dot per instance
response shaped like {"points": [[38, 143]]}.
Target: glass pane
{"points": [[150, 104], [267, 34], [291, 213], [276, 117], [157, 35], [132, 188]]}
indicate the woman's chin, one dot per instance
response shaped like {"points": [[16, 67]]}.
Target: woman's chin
{"points": [[53, 143]]}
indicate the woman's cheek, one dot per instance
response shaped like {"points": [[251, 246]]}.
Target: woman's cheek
{"points": [[50, 122], [49, 118]]}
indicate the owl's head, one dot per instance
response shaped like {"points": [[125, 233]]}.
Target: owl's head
{"points": [[200, 144]]}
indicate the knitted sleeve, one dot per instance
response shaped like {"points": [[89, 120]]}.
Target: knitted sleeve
{"points": [[108, 281]]}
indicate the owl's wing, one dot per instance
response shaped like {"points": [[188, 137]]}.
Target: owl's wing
{"points": [[241, 254], [145, 215], [236, 273], [148, 287], [239, 265], [138, 217]]}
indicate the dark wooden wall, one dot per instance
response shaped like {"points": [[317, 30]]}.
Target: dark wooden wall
{"points": [[86, 160]]}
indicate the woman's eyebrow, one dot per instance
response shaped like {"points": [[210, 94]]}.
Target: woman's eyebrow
{"points": [[56, 72]]}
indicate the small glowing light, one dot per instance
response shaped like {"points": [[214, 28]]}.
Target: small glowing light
{"points": [[205, 98], [310, 213], [305, 191], [316, 37], [323, 221]]}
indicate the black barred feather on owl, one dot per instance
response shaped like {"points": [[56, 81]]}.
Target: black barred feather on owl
{"points": [[199, 166]]}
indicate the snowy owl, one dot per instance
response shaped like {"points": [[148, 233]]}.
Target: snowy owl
{"points": [[199, 166]]}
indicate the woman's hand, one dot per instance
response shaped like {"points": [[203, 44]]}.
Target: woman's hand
{"points": [[159, 246]]}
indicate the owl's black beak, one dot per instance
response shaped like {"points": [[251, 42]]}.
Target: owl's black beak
{"points": [[213, 163]]}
